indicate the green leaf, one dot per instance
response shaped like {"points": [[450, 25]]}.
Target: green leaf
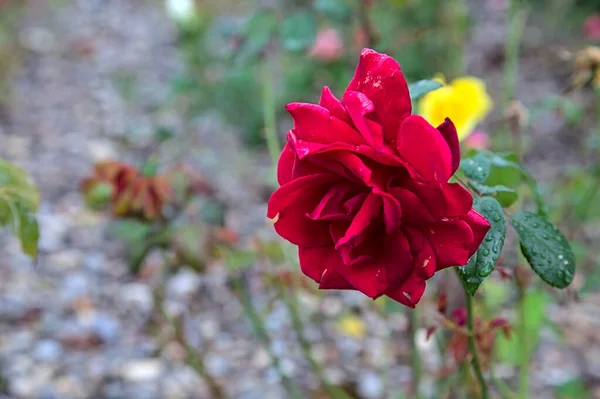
{"points": [[258, 32], [29, 233], [477, 167], [19, 200], [574, 389], [483, 262], [298, 31], [507, 194], [420, 88], [545, 248], [240, 259], [337, 10]]}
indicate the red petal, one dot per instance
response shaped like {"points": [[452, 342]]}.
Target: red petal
{"points": [[335, 107], [359, 106], [451, 240], [414, 211], [409, 293], [378, 76], [424, 149], [448, 131], [424, 264], [320, 265], [295, 191], [369, 211], [285, 166], [314, 123], [443, 200], [480, 227]]}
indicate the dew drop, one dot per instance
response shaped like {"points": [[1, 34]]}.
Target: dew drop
{"points": [[479, 169], [485, 252], [536, 224], [497, 218], [488, 238], [545, 236], [565, 262], [560, 256]]}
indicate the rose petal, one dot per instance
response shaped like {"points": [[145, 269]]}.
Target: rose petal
{"points": [[378, 76], [425, 261], [359, 106], [425, 149], [314, 123], [448, 131], [295, 191], [285, 165], [335, 107], [480, 227], [409, 293], [369, 211], [331, 206], [414, 211], [452, 241], [443, 200]]}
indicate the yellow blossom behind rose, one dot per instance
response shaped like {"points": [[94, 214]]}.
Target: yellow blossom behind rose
{"points": [[352, 326], [465, 101]]}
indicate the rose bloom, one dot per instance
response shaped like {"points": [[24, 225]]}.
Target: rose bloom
{"points": [[465, 101], [364, 189], [328, 45]]}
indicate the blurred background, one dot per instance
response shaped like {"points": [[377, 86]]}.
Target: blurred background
{"points": [[198, 297]]}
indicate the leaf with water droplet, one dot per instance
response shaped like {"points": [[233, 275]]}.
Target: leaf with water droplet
{"points": [[506, 194], [545, 248], [482, 263], [477, 167]]}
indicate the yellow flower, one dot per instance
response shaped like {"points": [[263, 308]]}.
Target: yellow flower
{"points": [[352, 326], [465, 101]]}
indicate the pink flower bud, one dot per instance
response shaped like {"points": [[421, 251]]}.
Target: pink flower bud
{"points": [[328, 45], [477, 140]]}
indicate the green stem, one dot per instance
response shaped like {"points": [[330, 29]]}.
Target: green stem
{"points": [[261, 332], [416, 363], [516, 25], [475, 363], [269, 116], [524, 350], [456, 21], [333, 391]]}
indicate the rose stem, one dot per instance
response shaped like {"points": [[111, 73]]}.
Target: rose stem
{"points": [[417, 364], [290, 303], [269, 116], [193, 359], [517, 17], [472, 345], [260, 330]]}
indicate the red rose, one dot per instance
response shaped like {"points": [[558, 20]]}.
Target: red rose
{"points": [[364, 189]]}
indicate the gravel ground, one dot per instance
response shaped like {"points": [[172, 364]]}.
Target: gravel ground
{"points": [[75, 325]]}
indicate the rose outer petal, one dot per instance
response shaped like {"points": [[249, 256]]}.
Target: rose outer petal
{"points": [[425, 149], [315, 124], [320, 264], [479, 225], [285, 165], [378, 76], [448, 131], [335, 107]]}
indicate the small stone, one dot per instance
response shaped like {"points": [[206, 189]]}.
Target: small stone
{"points": [[261, 359], [217, 365], [64, 260], [370, 385], [142, 370], [137, 296], [101, 150], [94, 261], [107, 327], [75, 286], [53, 230], [48, 351], [184, 284]]}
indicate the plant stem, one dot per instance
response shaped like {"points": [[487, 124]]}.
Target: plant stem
{"points": [[261, 332], [523, 346], [517, 16], [475, 363], [269, 116], [334, 392], [415, 356]]}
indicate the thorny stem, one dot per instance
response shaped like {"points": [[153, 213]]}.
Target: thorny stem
{"points": [[417, 364], [475, 363]]}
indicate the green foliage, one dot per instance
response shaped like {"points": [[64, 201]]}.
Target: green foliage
{"points": [[534, 306], [574, 389], [482, 263], [336, 10], [420, 88], [545, 248], [19, 201], [298, 31]]}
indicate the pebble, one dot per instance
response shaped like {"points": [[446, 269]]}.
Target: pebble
{"points": [[48, 350], [184, 284], [137, 297], [64, 260], [142, 370], [370, 386]]}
